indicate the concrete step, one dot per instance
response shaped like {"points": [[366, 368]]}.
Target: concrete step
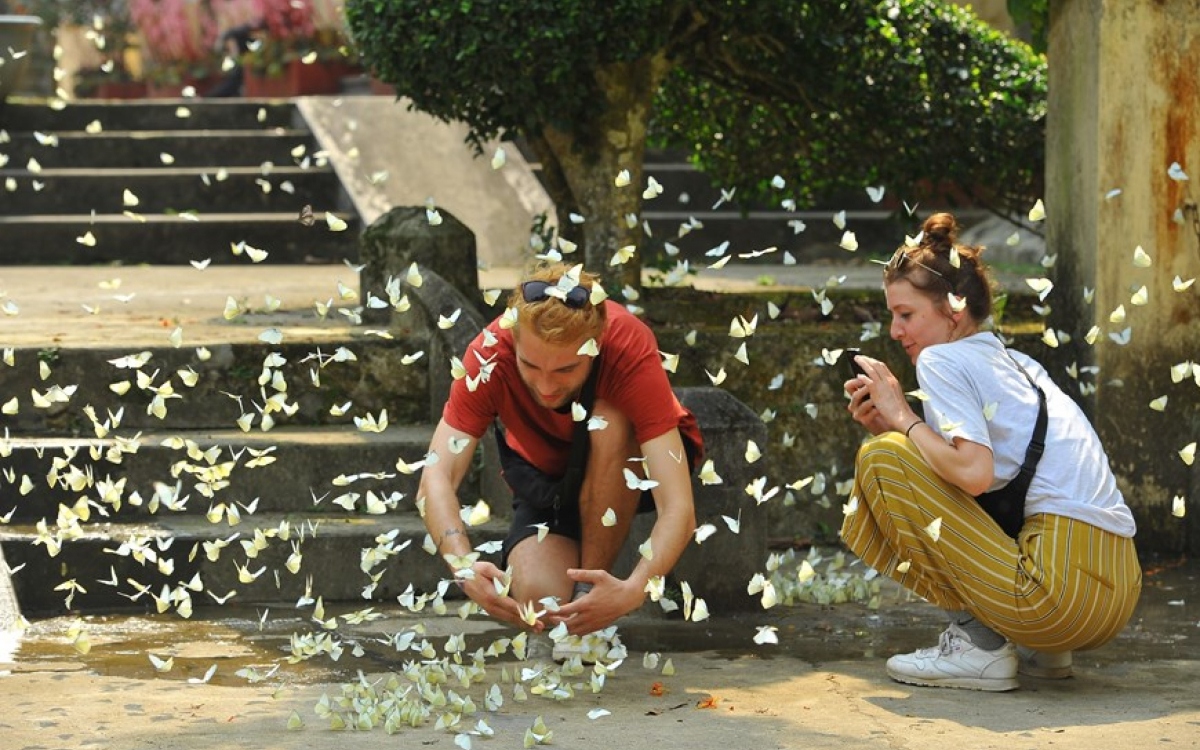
{"points": [[282, 189], [143, 149], [331, 565], [171, 240], [286, 470], [141, 114], [376, 379]]}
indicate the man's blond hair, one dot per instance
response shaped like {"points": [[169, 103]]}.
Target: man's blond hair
{"points": [[550, 318]]}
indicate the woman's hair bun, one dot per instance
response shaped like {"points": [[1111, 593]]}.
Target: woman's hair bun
{"points": [[941, 230]]}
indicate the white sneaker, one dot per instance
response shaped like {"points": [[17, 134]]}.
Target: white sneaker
{"points": [[957, 662], [1044, 664]]}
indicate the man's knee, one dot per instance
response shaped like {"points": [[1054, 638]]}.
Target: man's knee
{"points": [[540, 566], [617, 436]]}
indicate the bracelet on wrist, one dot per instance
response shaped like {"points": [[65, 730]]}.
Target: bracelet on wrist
{"points": [[912, 426]]}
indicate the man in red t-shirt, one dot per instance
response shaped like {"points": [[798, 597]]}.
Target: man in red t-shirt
{"points": [[530, 368]]}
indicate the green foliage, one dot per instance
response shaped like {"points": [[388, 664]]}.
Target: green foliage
{"points": [[508, 66], [916, 95], [1036, 15]]}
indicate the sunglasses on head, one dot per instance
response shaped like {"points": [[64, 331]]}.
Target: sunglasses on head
{"points": [[901, 256], [536, 291]]}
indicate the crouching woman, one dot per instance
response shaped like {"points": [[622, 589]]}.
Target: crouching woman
{"points": [[997, 504]]}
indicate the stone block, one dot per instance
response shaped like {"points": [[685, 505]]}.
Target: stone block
{"points": [[404, 236]]}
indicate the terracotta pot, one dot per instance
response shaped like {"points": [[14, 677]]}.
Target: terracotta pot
{"points": [[120, 90], [379, 88], [175, 90], [298, 79]]}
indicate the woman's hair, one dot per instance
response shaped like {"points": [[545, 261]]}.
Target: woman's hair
{"points": [[930, 266], [554, 320]]}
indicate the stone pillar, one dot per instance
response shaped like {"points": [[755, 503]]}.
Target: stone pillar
{"points": [[445, 257], [1124, 103]]}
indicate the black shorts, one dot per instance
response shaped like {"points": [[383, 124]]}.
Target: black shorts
{"points": [[564, 520]]}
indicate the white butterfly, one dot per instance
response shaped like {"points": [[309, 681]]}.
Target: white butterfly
{"points": [[849, 242], [934, 529], [633, 482], [1121, 338], [1188, 453]]}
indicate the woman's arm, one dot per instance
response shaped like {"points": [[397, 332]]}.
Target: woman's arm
{"points": [[963, 463]]}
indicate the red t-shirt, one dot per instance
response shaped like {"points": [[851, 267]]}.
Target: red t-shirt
{"points": [[631, 379]]}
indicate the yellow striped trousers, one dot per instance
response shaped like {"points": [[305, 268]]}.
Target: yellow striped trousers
{"points": [[1063, 585]]}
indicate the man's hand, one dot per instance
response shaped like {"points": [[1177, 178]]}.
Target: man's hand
{"points": [[481, 588], [609, 599]]}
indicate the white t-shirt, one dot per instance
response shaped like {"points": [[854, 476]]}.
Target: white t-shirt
{"points": [[975, 392]]}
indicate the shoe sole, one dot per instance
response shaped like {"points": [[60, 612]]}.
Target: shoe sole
{"points": [[962, 683], [1046, 673]]}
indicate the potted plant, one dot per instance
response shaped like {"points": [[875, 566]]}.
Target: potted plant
{"points": [[301, 49], [179, 44]]}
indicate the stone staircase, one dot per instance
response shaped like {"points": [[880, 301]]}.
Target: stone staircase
{"points": [[149, 494], [205, 174], [144, 498], [690, 196]]}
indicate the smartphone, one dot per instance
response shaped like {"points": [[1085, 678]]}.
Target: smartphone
{"points": [[855, 368]]}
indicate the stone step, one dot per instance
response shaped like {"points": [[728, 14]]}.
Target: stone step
{"points": [[141, 114], [331, 565], [161, 239], [285, 189], [143, 149], [374, 380], [286, 470]]}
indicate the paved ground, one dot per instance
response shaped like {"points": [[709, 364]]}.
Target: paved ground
{"points": [[823, 686]]}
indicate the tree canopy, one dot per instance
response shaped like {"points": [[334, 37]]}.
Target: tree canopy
{"points": [[912, 94]]}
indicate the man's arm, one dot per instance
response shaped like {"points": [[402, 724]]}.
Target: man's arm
{"points": [[442, 515], [666, 463]]}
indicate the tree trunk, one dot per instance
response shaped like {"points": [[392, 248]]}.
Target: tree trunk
{"points": [[584, 165]]}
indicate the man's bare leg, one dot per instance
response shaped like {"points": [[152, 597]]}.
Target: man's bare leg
{"points": [[604, 487], [540, 568]]}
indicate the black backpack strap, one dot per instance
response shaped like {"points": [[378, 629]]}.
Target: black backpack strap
{"points": [[1006, 505], [580, 440], [1037, 442]]}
